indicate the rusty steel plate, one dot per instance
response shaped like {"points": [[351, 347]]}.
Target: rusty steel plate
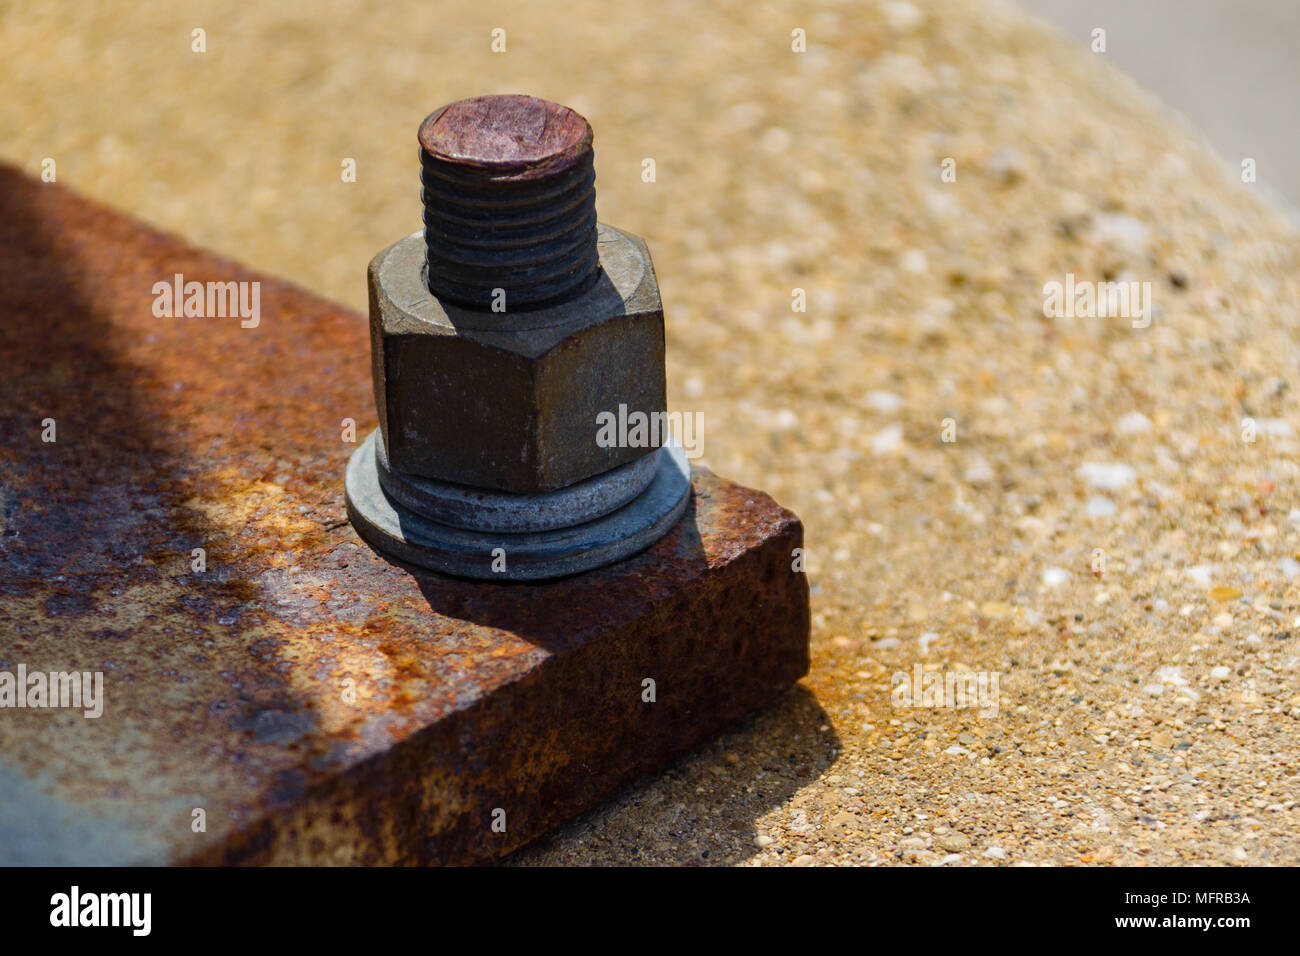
{"points": [[273, 691]]}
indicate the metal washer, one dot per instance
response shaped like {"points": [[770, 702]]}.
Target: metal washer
{"points": [[477, 509], [499, 556]]}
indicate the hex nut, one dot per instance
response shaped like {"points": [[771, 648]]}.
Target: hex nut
{"points": [[509, 400]]}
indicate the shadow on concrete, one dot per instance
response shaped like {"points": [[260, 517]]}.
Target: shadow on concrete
{"points": [[754, 766]]}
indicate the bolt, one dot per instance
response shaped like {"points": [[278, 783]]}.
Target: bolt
{"points": [[509, 196], [487, 461]]}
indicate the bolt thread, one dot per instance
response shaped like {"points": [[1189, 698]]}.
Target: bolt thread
{"points": [[526, 228]]}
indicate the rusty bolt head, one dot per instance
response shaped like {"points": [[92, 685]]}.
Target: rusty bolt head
{"points": [[506, 137], [510, 400], [508, 185]]}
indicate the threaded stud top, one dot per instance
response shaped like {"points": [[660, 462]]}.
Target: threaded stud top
{"points": [[509, 203]]}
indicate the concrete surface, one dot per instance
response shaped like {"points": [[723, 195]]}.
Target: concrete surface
{"points": [[1229, 67]]}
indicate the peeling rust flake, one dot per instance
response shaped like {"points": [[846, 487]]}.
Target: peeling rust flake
{"points": [[264, 671]]}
